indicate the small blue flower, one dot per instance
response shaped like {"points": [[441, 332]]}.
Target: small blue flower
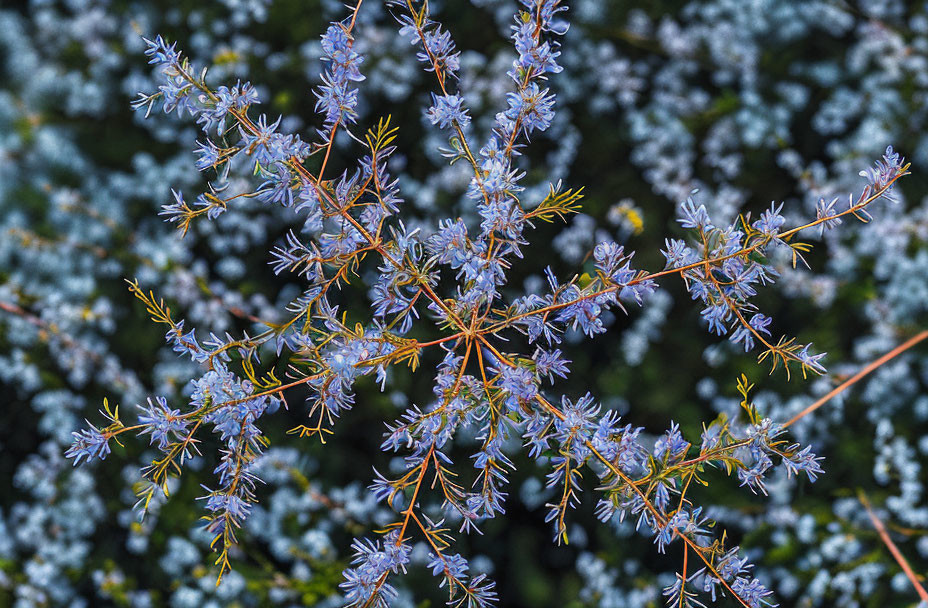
{"points": [[694, 217], [671, 445], [88, 444], [161, 422], [520, 383], [532, 108], [447, 110], [770, 220]]}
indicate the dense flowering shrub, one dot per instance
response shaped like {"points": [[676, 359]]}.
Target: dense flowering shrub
{"points": [[492, 347], [349, 219]]}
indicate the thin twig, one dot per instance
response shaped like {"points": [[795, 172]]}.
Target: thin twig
{"points": [[900, 559], [856, 377]]}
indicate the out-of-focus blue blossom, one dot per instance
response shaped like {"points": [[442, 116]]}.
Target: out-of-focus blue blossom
{"points": [[698, 99]]}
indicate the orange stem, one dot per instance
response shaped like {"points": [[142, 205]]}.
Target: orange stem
{"points": [[856, 377], [897, 555]]}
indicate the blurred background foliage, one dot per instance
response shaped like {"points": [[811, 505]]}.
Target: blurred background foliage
{"points": [[749, 101]]}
